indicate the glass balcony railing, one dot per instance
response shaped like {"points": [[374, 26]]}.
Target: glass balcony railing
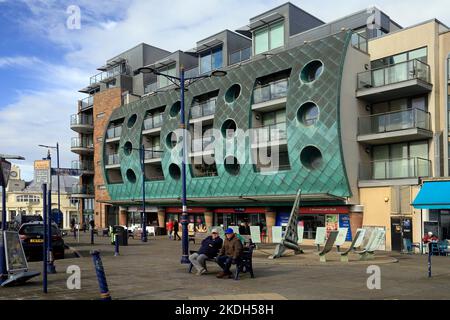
{"points": [[83, 189], [203, 144], [82, 143], [81, 120], [395, 169], [271, 91], [87, 103], [111, 73], [403, 71], [83, 165], [394, 121], [153, 122], [152, 87], [359, 42], [153, 153], [204, 109], [271, 133], [114, 132], [112, 159], [240, 55], [192, 73]]}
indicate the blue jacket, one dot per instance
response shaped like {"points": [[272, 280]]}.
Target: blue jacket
{"points": [[210, 246]]}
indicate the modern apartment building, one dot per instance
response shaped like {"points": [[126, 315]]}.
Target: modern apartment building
{"points": [[352, 112]]}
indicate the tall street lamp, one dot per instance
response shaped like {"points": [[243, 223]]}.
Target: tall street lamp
{"points": [[180, 83], [57, 164]]}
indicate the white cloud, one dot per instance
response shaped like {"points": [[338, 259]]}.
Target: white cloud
{"points": [[18, 61]]}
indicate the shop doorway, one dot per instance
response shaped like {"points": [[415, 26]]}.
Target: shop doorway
{"points": [[401, 230]]}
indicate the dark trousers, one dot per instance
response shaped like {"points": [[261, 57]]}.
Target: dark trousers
{"points": [[225, 263], [176, 235]]}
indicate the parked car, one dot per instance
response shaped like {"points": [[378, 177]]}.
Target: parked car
{"points": [[32, 237]]}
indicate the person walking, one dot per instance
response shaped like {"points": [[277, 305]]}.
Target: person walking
{"points": [[170, 228], [209, 249], [176, 227], [230, 253]]}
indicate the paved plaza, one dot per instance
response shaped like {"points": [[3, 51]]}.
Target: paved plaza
{"points": [[153, 271]]}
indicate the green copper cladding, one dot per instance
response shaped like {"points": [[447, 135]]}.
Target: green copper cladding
{"points": [[330, 179]]}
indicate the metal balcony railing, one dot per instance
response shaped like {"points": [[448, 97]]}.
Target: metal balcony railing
{"points": [[394, 121], [204, 109], [395, 169], [81, 120], [153, 122], [112, 159], [114, 132], [111, 73], [83, 189], [83, 165], [153, 153], [87, 103], [271, 91], [82, 143], [239, 56], [359, 42], [271, 133], [403, 71]]}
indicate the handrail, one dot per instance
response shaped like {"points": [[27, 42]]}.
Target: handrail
{"points": [[86, 103], [269, 91]]}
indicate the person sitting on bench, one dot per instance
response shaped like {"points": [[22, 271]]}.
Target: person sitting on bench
{"points": [[229, 254], [209, 249]]}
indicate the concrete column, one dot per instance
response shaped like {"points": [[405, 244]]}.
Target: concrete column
{"points": [[209, 218], [271, 217], [123, 215], [162, 217]]}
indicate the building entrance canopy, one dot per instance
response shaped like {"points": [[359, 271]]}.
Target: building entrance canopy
{"points": [[433, 195]]}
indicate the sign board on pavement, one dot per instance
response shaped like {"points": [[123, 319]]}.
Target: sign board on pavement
{"points": [[6, 169], [15, 256]]}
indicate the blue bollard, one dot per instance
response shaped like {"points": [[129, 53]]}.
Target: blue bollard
{"points": [[116, 245], [101, 277]]}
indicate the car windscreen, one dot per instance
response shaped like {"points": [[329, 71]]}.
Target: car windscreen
{"points": [[37, 229]]}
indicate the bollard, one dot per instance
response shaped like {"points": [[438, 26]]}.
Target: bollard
{"points": [[429, 259], [116, 245], [92, 236], [101, 277]]}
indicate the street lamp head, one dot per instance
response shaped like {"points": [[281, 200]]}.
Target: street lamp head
{"points": [[146, 70], [218, 73], [11, 157]]}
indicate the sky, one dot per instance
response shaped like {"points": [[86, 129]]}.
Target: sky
{"points": [[43, 62]]}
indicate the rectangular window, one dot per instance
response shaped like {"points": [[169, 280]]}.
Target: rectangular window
{"points": [[277, 35], [269, 38], [261, 41]]}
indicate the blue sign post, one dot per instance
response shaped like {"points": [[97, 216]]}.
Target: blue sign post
{"points": [[344, 222]]}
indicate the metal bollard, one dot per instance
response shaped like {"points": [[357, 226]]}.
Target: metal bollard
{"points": [[101, 277], [429, 259], [92, 236], [116, 245]]}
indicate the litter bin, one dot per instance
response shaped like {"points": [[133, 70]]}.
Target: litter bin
{"points": [[122, 235]]}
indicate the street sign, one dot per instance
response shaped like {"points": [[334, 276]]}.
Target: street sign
{"points": [[42, 171], [67, 172], [5, 171]]}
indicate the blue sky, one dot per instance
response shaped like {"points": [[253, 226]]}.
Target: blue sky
{"points": [[43, 64]]}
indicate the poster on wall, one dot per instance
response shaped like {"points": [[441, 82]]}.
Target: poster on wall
{"points": [[344, 222], [331, 223]]}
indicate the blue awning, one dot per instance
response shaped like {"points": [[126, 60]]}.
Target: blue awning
{"points": [[433, 195]]}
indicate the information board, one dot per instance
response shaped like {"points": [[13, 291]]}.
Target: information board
{"points": [[321, 233], [276, 234], [344, 222], [15, 256], [5, 171], [42, 172], [255, 233]]}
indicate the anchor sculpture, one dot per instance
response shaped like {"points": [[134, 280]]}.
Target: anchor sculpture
{"points": [[290, 239]]}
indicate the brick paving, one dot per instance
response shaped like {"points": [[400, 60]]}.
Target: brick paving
{"points": [[153, 271]]}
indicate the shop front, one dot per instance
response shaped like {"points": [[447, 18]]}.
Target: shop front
{"points": [[134, 216], [196, 217], [332, 218], [229, 217]]}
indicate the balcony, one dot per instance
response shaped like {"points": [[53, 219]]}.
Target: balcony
{"points": [[112, 161], [270, 95], [204, 109], [393, 169], [395, 127], [153, 124], [359, 42], [107, 75], [86, 166], [192, 73], [113, 134], [82, 146], [82, 191], [203, 145], [150, 88], [271, 135], [153, 155], [82, 123], [86, 103], [240, 56], [399, 80]]}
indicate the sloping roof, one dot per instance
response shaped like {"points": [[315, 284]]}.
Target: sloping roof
{"points": [[66, 184]]}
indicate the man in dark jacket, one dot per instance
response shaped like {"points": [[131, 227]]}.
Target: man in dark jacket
{"points": [[175, 231], [208, 250], [230, 253]]}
